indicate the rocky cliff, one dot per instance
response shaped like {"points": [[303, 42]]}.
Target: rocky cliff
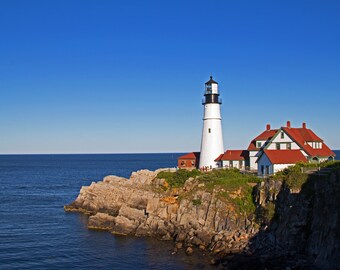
{"points": [[301, 225], [296, 227], [143, 205]]}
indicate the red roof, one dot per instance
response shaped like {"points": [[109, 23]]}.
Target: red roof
{"points": [[219, 157], [284, 156], [304, 135], [264, 136], [192, 155], [233, 155], [301, 136]]}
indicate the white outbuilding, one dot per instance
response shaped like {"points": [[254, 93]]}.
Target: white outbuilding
{"points": [[272, 161]]}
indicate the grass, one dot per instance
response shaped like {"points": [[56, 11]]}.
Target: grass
{"points": [[230, 179], [178, 178]]}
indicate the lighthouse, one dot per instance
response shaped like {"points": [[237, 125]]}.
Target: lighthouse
{"points": [[212, 139]]}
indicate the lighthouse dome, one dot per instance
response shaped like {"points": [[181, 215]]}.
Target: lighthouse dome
{"points": [[211, 81]]}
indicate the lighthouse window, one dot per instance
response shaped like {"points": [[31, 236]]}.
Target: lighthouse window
{"points": [[209, 130]]}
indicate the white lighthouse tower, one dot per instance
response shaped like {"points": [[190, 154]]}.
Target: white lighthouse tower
{"points": [[212, 139]]}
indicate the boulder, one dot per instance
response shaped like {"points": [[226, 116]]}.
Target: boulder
{"points": [[101, 221], [124, 226]]}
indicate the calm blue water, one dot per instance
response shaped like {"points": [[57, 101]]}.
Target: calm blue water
{"points": [[36, 233]]}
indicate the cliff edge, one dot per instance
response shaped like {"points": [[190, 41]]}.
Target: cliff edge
{"points": [[270, 224]]}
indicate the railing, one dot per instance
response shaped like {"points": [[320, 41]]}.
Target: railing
{"points": [[219, 101]]}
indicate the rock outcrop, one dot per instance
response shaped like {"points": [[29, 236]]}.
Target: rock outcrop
{"points": [[303, 231], [140, 206], [295, 228]]}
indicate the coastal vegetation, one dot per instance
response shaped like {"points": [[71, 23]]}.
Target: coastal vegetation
{"points": [[231, 186], [178, 178], [295, 176]]}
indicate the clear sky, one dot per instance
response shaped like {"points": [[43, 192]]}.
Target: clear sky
{"points": [[128, 76]]}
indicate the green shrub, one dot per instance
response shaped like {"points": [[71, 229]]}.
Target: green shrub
{"points": [[245, 204], [178, 178]]}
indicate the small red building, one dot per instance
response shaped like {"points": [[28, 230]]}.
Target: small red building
{"points": [[189, 161]]}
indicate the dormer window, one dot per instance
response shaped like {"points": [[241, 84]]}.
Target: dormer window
{"points": [[317, 145], [258, 144]]}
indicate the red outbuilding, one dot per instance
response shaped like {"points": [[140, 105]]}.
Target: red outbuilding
{"points": [[189, 161]]}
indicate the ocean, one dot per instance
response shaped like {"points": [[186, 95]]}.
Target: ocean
{"points": [[36, 233]]}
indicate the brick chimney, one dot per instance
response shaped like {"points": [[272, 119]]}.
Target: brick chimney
{"points": [[288, 124], [268, 127], [304, 125]]}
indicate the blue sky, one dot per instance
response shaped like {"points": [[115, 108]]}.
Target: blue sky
{"points": [[128, 76]]}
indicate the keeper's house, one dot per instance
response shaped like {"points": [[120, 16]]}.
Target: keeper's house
{"points": [[280, 148]]}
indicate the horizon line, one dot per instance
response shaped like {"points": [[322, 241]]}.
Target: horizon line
{"points": [[121, 153]]}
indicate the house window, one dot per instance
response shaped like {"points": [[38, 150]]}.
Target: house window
{"points": [[262, 169], [240, 164], [183, 163], [230, 164], [209, 130], [289, 146], [193, 163], [282, 135], [267, 170], [278, 146], [258, 144]]}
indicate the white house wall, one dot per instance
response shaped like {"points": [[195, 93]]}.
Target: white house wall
{"points": [[252, 160], [235, 164], [260, 141], [282, 141], [279, 139], [280, 167], [283, 146]]}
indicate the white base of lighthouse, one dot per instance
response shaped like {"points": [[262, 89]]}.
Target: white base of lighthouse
{"points": [[212, 139]]}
